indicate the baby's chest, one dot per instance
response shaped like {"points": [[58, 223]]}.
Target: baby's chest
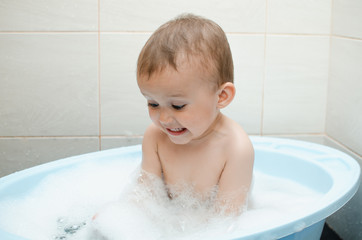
{"points": [[203, 172]]}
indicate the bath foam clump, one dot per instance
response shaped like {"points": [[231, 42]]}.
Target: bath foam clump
{"points": [[63, 204], [164, 212]]}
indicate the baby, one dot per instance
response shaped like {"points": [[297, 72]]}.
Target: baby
{"points": [[185, 71], [195, 161]]}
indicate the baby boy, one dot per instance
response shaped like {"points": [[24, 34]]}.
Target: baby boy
{"points": [[185, 72]]}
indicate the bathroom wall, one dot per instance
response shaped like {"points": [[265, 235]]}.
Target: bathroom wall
{"points": [[344, 108], [67, 70]]}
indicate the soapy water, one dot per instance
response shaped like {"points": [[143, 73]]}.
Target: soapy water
{"points": [[63, 205]]}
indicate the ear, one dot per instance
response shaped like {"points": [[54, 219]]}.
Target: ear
{"points": [[226, 94]]}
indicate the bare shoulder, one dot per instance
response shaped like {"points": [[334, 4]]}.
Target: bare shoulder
{"points": [[239, 146], [152, 134], [236, 177], [150, 159]]}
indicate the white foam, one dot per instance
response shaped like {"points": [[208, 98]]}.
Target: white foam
{"points": [[62, 206]]}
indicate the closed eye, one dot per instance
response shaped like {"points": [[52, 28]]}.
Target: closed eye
{"points": [[153, 105], [178, 107]]}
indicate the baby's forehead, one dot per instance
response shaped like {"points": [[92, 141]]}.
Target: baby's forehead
{"points": [[197, 66], [198, 70], [201, 65]]}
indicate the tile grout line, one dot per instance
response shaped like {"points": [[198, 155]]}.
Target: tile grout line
{"points": [[346, 37], [141, 135], [45, 137], [329, 69], [264, 72], [99, 82], [150, 32], [70, 136]]}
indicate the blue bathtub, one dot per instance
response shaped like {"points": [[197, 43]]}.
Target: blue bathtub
{"points": [[332, 173]]}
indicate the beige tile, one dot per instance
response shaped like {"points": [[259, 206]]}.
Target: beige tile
{"points": [[20, 153], [123, 108], [295, 84], [248, 56], [49, 15], [347, 18], [344, 108], [48, 85], [295, 16], [116, 142], [232, 15]]}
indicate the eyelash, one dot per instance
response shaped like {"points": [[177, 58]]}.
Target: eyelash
{"points": [[153, 105], [176, 107]]}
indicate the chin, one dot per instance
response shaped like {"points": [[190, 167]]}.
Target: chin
{"points": [[179, 141]]}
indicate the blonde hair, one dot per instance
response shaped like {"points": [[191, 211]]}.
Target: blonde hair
{"points": [[191, 36]]}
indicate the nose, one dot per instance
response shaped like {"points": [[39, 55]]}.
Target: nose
{"points": [[165, 117]]}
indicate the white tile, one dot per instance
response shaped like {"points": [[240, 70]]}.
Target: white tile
{"points": [[123, 108], [48, 84], [248, 56], [49, 15], [344, 111], [295, 16], [295, 84], [20, 153], [347, 18], [232, 15]]}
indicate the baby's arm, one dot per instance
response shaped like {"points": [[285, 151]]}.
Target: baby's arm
{"points": [[235, 180], [150, 159]]}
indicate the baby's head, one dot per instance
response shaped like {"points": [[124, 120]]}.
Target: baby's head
{"points": [[185, 71], [191, 40]]}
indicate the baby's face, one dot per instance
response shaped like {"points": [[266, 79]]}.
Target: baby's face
{"points": [[182, 103]]}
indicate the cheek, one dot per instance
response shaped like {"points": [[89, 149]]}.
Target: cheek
{"points": [[194, 118], [152, 114], [205, 116]]}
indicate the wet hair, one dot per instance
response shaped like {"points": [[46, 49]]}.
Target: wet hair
{"points": [[192, 38]]}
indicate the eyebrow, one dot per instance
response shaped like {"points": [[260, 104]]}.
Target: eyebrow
{"points": [[176, 95]]}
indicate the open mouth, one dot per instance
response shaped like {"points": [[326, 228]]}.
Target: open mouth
{"points": [[176, 131]]}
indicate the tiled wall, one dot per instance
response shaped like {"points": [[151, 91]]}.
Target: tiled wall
{"points": [[67, 70], [344, 108]]}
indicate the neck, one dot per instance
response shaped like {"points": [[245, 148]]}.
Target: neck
{"points": [[211, 131]]}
